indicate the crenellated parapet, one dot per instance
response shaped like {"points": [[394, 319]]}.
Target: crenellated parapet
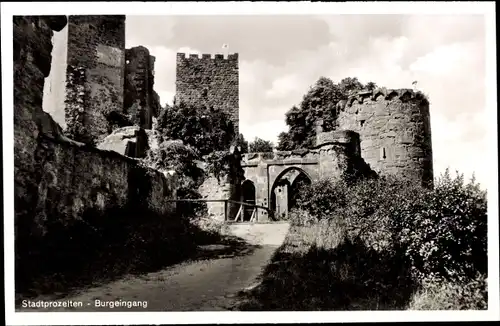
{"points": [[207, 57]]}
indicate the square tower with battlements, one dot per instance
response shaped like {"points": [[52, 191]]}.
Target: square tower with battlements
{"points": [[211, 81]]}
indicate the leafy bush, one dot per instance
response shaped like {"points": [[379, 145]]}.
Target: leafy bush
{"points": [[440, 233], [445, 231], [203, 128], [181, 158]]}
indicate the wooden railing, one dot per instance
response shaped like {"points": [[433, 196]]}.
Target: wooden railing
{"points": [[254, 217]]}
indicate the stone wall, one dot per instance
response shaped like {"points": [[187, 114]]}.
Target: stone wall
{"points": [[395, 131], [94, 76], [140, 102], [209, 81], [32, 60], [78, 209]]}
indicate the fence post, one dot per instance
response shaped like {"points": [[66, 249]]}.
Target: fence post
{"points": [[225, 211]]}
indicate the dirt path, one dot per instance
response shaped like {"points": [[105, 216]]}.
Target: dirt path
{"points": [[208, 284]]}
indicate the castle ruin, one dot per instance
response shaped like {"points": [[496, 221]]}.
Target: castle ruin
{"points": [[107, 86], [67, 185], [110, 104], [382, 131]]}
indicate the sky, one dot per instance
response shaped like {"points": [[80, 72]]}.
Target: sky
{"points": [[281, 56]]}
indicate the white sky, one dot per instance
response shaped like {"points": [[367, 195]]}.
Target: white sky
{"points": [[281, 56]]}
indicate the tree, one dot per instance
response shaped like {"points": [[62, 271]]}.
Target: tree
{"points": [[350, 85], [320, 102], [371, 86], [203, 128], [260, 146]]}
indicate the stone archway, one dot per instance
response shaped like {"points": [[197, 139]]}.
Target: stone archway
{"points": [[247, 196], [284, 191]]}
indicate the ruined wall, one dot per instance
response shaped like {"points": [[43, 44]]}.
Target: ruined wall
{"points": [[32, 59], [225, 185], [75, 204], [94, 76], [140, 102], [395, 131], [209, 81]]}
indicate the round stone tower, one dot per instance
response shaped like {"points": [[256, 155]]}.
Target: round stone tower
{"points": [[395, 131]]}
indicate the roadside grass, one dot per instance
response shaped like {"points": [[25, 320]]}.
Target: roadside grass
{"points": [[380, 245], [303, 276]]}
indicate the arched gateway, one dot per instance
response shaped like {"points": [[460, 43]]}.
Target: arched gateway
{"points": [[277, 177]]}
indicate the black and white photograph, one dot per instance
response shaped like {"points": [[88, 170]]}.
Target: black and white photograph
{"points": [[253, 162]]}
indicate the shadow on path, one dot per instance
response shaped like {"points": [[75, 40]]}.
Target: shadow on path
{"points": [[207, 281]]}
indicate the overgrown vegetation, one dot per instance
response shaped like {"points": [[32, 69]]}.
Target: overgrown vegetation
{"points": [[320, 102], [381, 244], [203, 128], [194, 141]]}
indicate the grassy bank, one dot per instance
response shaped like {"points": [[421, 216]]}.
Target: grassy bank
{"points": [[380, 245]]}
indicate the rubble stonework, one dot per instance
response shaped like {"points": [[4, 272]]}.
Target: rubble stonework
{"points": [[32, 61], [141, 103], [95, 75], [209, 81], [395, 131], [224, 186]]}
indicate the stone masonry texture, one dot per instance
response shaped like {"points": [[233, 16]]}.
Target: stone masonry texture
{"points": [[334, 156], [140, 103], [72, 200], [209, 81], [395, 131], [95, 76]]}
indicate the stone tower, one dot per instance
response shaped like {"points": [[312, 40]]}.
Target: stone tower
{"points": [[395, 131], [141, 103], [209, 81], [94, 75]]}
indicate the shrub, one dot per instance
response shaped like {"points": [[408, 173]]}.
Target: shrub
{"points": [[445, 231], [174, 155], [363, 208], [440, 233]]}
